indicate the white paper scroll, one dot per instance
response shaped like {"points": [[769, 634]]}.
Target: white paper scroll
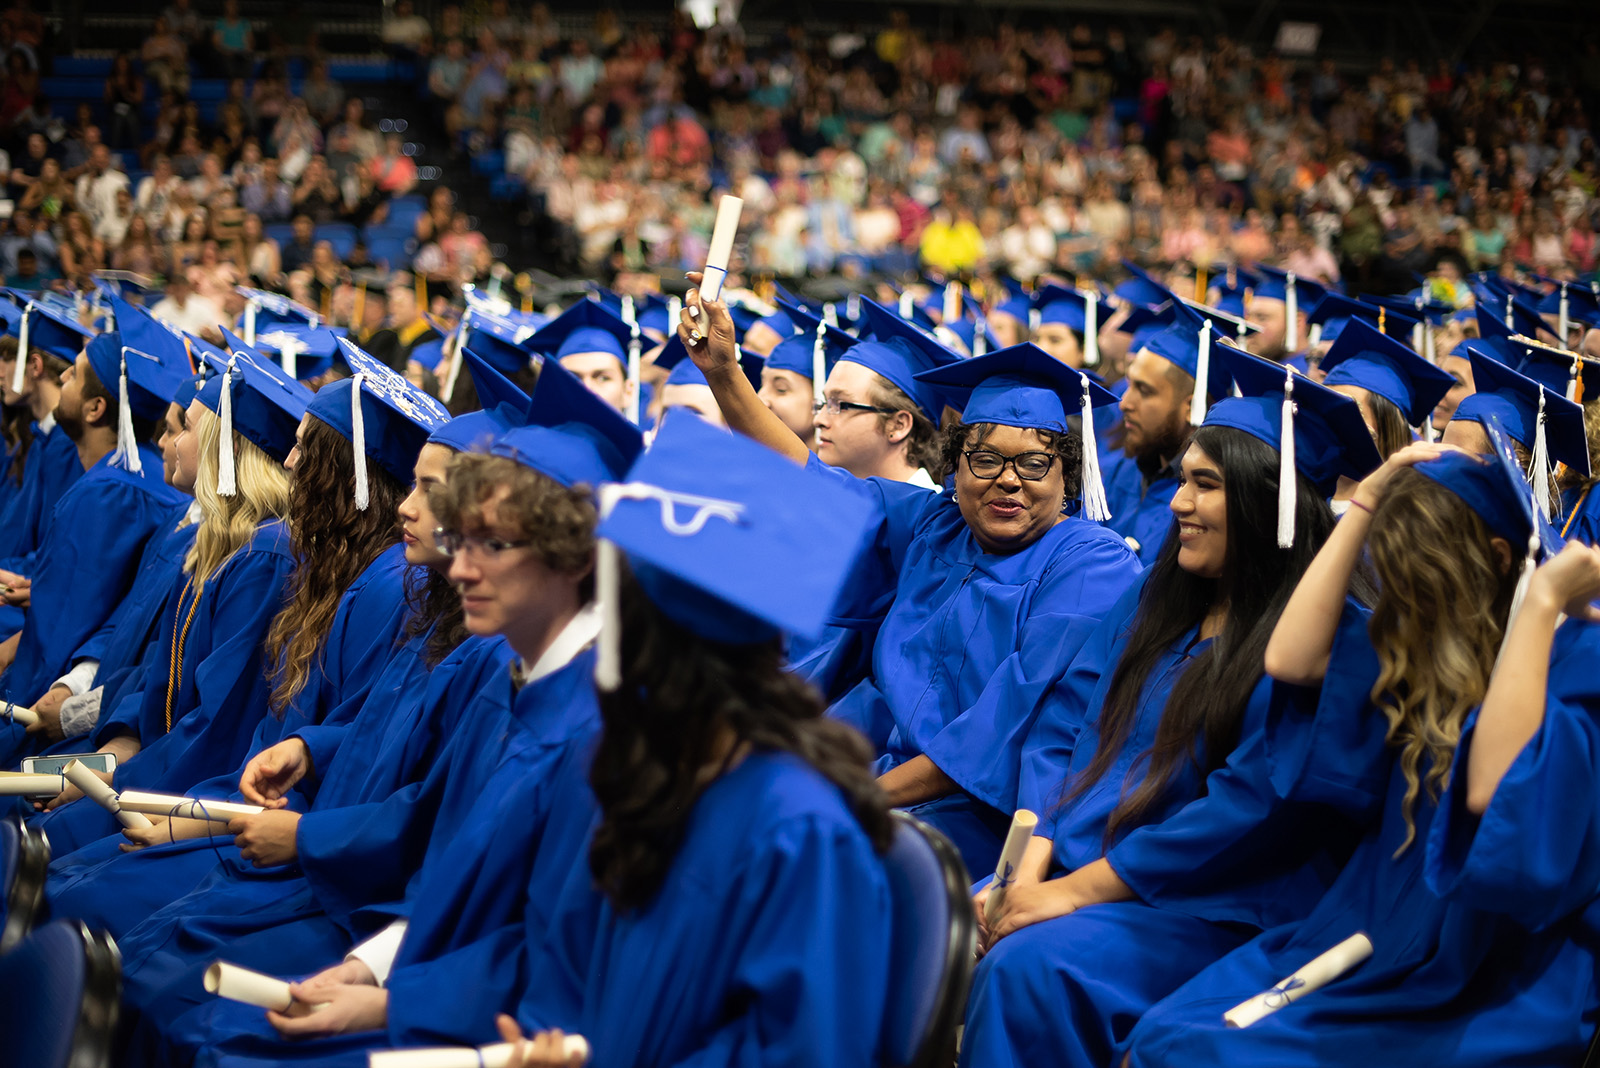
{"points": [[721, 250], [241, 984], [1318, 973], [22, 717], [495, 1056], [97, 790], [1005, 872], [184, 807], [23, 784]]}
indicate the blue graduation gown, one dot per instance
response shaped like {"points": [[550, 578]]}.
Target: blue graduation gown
{"points": [[50, 469], [969, 643], [1141, 512], [363, 636], [120, 644], [480, 901], [85, 569], [1214, 861], [1482, 930], [1582, 511], [768, 943]]}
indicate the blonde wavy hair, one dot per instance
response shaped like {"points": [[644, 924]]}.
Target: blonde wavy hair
{"points": [[228, 523], [1441, 612]]}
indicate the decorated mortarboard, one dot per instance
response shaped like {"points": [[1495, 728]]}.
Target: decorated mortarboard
{"points": [[726, 538], [681, 370], [571, 435], [504, 405], [260, 400], [1187, 344], [1539, 418], [386, 418], [303, 351], [812, 352], [1024, 386], [1374, 361], [263, 309], [1317, 431], [1335, 310], [899, 353]]}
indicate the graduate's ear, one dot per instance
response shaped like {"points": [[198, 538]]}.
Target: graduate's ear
{"points": [[1501, 548], [898, 426], [97, 411]]}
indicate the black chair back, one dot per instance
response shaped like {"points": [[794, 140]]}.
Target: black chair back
{"points": [[63, 985], [24, 862]]}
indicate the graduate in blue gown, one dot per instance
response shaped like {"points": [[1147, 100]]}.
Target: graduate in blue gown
{"points": [[978, 598], [87, 564], [321, 671], [728, 802], [459, 939], [592, 342], [789, 377], [1283, 339], [1474, 876], [1158, 850]]}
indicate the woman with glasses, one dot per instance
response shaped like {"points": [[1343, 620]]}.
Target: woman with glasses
{"points": [[968, 603], [1147, 763]]}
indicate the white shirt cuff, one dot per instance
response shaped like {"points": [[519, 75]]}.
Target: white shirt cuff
{"points": [[80, 680], [379, 951]]}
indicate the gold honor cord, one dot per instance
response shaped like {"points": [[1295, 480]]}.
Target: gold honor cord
{"points": [[178, 641]]}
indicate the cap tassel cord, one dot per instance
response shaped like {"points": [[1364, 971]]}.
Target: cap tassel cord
{"points": [[358, 434], [1539, 468], [455, 359], [1286, 468], [1095, 506], [1520, 593], [634, 365], [227, 479], [1202, 377], [1564, 324], [980, 341], [1091, 331], [1291, 314], [819, 363], [907, 304], [18, 379], [608, 591], [127, 455], [1511, 318], [250, 307]]}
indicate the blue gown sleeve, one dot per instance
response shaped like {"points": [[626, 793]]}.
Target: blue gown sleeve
{"points": [[1535, 853], [981, 748], [1047, 751]]}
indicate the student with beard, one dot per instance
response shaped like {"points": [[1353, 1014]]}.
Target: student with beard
{"points": [[345, 612], [1158, 848]]}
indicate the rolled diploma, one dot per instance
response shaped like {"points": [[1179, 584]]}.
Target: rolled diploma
{"points": [[185, 807], [495, 1056], [722, 235], [1005, 872], [1318, 973], [252, 988], [97, 790], [27, 717], [23, 784]]}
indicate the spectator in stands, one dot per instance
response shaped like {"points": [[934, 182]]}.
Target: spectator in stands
{"points": [[124, 95], [447, 73], [19, 94], [165, 55], [50, 194], [394, 172], [185, 251], [268, 196], [316, 194], [182, 308], [81, 252], [258, 254], [26, 234], [112, 227], [297, 253], [233, 41], [405, 33], [153, 199], [138, 251], [578, 71], [364, 140], [26, 169]]}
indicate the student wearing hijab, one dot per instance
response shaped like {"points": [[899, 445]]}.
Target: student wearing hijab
{"points": [[1473, 781], [327, 645], [713, 759], [1146, 762], [996, 569]]}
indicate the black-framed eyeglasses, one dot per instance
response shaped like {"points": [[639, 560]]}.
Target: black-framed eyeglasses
{"points": [[453, 542], [1029, 466], [834, 406]]}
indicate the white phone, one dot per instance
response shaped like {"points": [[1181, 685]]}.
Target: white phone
{"points": [[53, 765]]}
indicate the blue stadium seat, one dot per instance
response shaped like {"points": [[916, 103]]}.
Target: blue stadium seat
{"points": [[57, 87], [342, 236], [489, 164], [81, 66], [931, 946], [505, 187], [405, 211], [201, 89], [282, 233], [24, 858], [62, 988], [393, 252]]}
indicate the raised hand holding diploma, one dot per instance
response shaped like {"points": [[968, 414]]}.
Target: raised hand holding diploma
{"points": [[1318, 973], [720, 250]]}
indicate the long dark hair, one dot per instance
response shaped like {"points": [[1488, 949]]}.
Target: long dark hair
{"points": [[334, 541], [1200, 722], [434, 609], [1391, 433], [679, 693]]}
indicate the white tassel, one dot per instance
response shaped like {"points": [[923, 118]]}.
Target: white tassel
{"points": [[634, 365], [907, 304], [1091, 331], [1315, 337], [1539, 468], [250, 307], [455, 358], [1291, 315], [1416, 338], [852, 308], [227, 480], [1286, 469], [1034, 320], [980, 341], [1095, 506], [1427, 343], [1572, 379], [608, 592], [1511, 318], [1202, 377], [127, 444], [952, 302], [830, 315], [289, 353], [1564, 323], [18, 379], [358, 434], [819, 364], [674, 313], [1427, 429]]}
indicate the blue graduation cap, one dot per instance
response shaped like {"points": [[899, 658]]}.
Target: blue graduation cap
{"points": [[571, 435], [428, 353], [504, 406], [1081, 311], [263, 309], [1231, 284], [900, 352], [1512, 312], [1186, 343], [1573, 375], [1418, 303], [304, 352], [1227, 323], [974, 336], [727, 539], [1582, 303], [1024, 386], [1494, 487], [1139, 288], [587, 326], [816, 348], [1299, 295], [47, 329], [188, 388], [1378, 363], [145, 386], [653, 317], [1335, 310], [1317, 431], [259, 400], [1539, 418], [681, 370], [384, 416]]}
